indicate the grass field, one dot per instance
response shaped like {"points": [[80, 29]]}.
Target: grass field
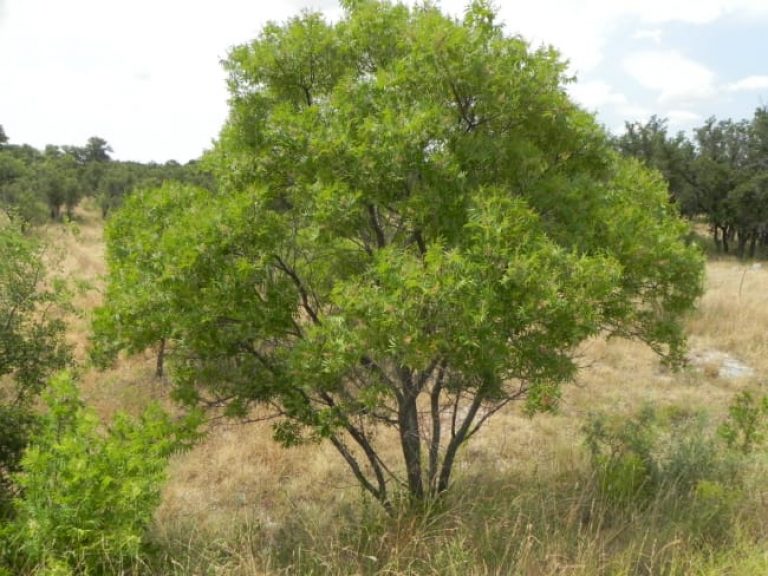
{"points": [[526, 499]]}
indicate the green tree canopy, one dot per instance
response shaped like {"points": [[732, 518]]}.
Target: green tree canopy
{"points": [[415, 227]]}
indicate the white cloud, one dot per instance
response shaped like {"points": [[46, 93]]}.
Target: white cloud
{"points": [[595, 94], [654, 35], [580, 29], [755, 82], [576, 29], [634, 113], [660, 11], [144, 74], [682, 120], [683, 117], [675, 78], [686, 11]]}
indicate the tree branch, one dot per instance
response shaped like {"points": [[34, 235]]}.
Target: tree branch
{"points": [[381, 240], [300, 287], [354, 465], [434, 443], [458, 438]]}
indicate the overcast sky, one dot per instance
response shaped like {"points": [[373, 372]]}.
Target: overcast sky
{"points": [[145, 74]]}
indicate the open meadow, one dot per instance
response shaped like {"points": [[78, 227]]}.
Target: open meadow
{"points": [[527, 498]]}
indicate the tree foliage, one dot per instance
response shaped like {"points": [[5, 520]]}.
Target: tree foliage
{"points": [[32, 345], [415, 227]]}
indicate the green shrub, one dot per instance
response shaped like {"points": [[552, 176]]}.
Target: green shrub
{"points": [[32, 345], [89, 493], [635, 458], [622, 456], [745, 428], [676, 464]]}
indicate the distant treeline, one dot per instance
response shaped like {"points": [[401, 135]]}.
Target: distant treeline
{"points": [[38, 185], [720, 176]]}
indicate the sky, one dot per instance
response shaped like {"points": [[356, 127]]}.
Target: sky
{"points": [[145, 75]]}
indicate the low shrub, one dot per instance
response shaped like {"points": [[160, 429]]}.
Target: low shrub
{"points": [[679, 462], [88, 493]]}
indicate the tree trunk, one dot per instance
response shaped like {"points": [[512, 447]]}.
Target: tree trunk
{"points": [[160, 366], [457, 439], [741, 245], [410, 436]]}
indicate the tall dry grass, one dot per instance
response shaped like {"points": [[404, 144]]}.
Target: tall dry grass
{"points": [[523, 502]]}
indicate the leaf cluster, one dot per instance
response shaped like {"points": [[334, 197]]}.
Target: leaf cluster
{"points": [[89, 493]]}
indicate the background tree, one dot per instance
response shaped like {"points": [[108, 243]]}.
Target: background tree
{"points": [[57, 178], [118, 181], [721, 165], [747, 206], [19, 195], [758, 141], [415, 227], [672, 156], [137, 314], [717, 176]]}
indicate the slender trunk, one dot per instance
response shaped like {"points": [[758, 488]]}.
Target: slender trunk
{"points": [[741, 245], [434, 444], [457, 439], [410, 437], [354, 465], [159, 367]]}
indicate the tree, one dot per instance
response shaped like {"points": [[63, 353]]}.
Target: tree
{"points": [[415, 227], [97, 150], [32, 345], [113, 186], [58, 179], [136, 315], [747, 206], [673, 157], [3, 137], [722, 164]]}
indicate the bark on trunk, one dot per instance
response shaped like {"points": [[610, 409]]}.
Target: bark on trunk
{"points": [[160, 366], [410, 436]]}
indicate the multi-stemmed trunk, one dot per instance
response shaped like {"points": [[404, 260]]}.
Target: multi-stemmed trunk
{"points": [[432, 425]]}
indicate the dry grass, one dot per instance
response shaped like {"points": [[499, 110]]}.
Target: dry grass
{"points": [[76, 251], [239, 504]]}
